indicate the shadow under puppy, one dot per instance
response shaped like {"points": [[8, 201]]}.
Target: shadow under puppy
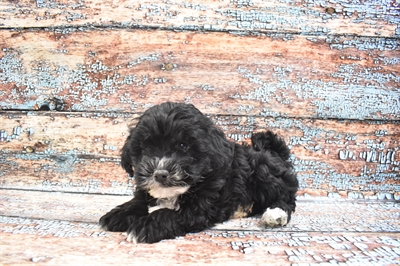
{"points": [[190, 177]]}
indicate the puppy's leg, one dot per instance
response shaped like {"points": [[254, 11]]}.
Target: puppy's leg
{"points": [[168, 224], [274, 196], [274, 181], [158, 225], [123, 216], [273, 193]]}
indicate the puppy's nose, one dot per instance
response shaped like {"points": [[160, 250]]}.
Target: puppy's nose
{"points": [[161, 175]]}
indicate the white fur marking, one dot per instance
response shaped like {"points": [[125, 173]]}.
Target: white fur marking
{"points": [[167, 192], [162, 162], [154, 208], [132, 238], [275, 217], [168, 203]]}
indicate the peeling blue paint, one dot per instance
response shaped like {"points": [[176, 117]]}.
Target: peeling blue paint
{"points": [[351, 99], [363, 43], [83, 88]]}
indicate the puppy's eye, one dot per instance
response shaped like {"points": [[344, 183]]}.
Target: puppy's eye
{"points": [[183, 146]]}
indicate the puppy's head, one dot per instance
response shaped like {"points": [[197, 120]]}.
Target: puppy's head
{"points": [[174, 147]]}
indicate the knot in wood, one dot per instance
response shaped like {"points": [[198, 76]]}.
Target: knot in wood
{"points": [[168, 66]]}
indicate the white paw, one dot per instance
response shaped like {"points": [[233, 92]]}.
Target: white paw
{"points": [[132, 238], [274, 217]]}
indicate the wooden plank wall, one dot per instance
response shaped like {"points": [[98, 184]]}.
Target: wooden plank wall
{"points": [[323, 74]]}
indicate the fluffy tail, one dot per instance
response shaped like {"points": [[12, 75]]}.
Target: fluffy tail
{"points": [[270, 141]]}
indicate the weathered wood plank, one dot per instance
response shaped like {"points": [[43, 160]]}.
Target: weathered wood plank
{"points": [[311, 213], [78, 207], [28, 228], [100, 134], [263, 75], [65, 173], [24, 241], [80, 151], [369, 18]]}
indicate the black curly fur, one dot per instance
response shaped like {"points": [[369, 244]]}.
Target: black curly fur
{"points": [[175, 146]]}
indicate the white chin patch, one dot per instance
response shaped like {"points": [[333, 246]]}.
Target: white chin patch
{"points": [[274, 217], [159, 192], [167, 198]]}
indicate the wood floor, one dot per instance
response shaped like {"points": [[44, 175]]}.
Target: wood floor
{"points": [[54, 228]]}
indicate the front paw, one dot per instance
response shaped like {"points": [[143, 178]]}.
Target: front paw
{"points": [[134, 235], [151, 229], [116, 220], [141, 232]]}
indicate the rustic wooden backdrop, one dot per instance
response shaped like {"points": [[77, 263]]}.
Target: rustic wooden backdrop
{"points": [[324, 74]]}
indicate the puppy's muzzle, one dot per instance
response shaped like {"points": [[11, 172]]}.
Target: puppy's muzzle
{"points": [[161, 176]]}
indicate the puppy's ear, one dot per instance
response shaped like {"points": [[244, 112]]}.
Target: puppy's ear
{"points": [[126, 160]]}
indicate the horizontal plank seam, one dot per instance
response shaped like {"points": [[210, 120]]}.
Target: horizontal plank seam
{"points": [[197, 28], [218, 230], [63, 192], [322, 199], [115, 159], [15, 111]]}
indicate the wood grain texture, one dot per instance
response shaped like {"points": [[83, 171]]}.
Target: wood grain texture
{"points": [[72, 207], [370, 18], [323, 74], [80, 244], [79, 152], [260, 75], [313, 236], [310, 215]]}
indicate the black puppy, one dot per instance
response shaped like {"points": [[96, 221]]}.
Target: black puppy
{"points": [[189, 177]]}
